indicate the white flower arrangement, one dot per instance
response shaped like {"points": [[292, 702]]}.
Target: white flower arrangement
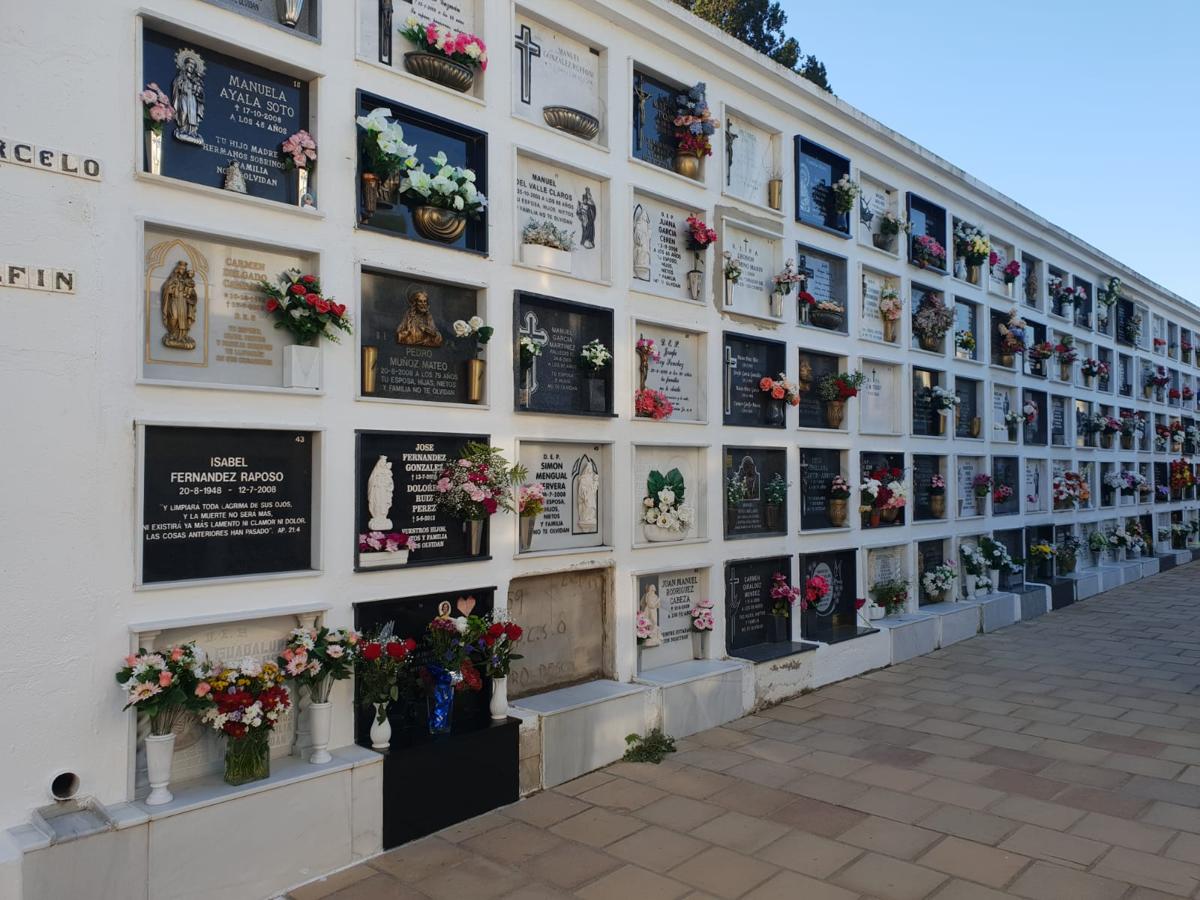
{"points": [[594, 356], [974, 562], [547, 234], [939, 579], [450, 187], [945, 400], [845, 192]]}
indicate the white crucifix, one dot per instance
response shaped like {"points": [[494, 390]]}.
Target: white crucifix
{"points": [[541, 338], [730, 368], [529, 50]]}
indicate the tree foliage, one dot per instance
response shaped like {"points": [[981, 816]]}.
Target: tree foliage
{"points": [[760, 24]]}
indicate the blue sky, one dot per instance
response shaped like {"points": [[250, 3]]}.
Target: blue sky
{"points": [[1087, 113]]}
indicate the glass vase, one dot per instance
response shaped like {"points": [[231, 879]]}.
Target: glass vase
{"points": [[440, 704], [248, 758]]}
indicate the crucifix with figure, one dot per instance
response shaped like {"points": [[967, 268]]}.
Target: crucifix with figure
{"points": [[529, 50], [540, 337], [730, 368], [640, 96]]}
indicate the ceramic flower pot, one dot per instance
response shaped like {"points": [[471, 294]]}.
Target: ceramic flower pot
{"points": [[160, 749], [688, 165], [546, 257], [382, 558], [930, 342], [937, 505], [381, 728], [498, 705], [835, 413], [777, 305], [656, 535], [320, 723], [436, 224], [440, 70], [695, 282], [838, 513], [302, 367], [994, 574]]}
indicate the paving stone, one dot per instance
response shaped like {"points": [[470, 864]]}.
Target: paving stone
{"points": [[992, 866], [888, 879], [892, 838], [892, 805], [570, 865], [746, 834], [1012, 781], [632, 881], [1054, 846], [981, 827], [1037, 812], [945, 790], [597, 827], [1046, 881], [790, 885], [892, 777], [657, 848], [1122, 832], [680, 813], [1149, 870], [1171, 815], [722, 872], [513, 843], [809, 853], [817, 817]]}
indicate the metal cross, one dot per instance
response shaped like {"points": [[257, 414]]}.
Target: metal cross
{"points": [[730, 137], [385, 32], [540, 337], [730, 367], [641, 95], [528, 51]]}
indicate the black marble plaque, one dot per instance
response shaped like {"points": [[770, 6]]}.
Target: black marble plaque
{"points": [[817, 170], [417, 460], [926, 218], [924, 468], [1036, 433], [925, 415], [418, 356], [1006, 470], [556, 383], [967, 391], [930, 555], [654, 120], [1083, 308], [1162, 478], [220, 502], [833, 616], [1011, 540], [813, 367], [817, 470], [871, 462], [245, 113], [431, 134], [745, 361], [1125, 312], [754, 468], [1058, 421], [748, 599], [268, 11]]}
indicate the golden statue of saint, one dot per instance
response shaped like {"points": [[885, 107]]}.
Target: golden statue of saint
{"points": [[178, 305], [418, 328]]}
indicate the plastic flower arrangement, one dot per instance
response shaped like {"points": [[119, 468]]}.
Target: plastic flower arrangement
{"points": [[1002, 493], [891, 224], [663, 504], [780, 388], [478, 484], [840, 386], [944, 400], [1065, 491], [775, 490], [1065, 350], [1041, 351], [156, 108], [868, 493], [702, 615], [1098, 542], [297, 304], [839, 488], [299, 151], [733, 268], [845, 192], [547, 234], [1013, 419], [1132, 332], [971, 244], [1029, 411], [890, 304], [981, 484], [1119, 538], [594, 356], [528, 350], [460, 47], [450, 187], [1094, 367], [499, 638], [933, 318], [891, 595], [531, 499], [643, 628], [1160, 343], [166, 685], [1157, 377], [647, 350], [784, 595], [1011, 271], [473, 329], [965, 341], [937, 580], [1067, 549], [649, 403], [1041, 551], [937, 484], [927, 251], [816, 588], [1012, 334], [886, 486], [699, 235], [789, 277], [385, 542], [996, 556], [381, 142], [1060, 293], [317, 657], [694, 122], [1131, 423]]}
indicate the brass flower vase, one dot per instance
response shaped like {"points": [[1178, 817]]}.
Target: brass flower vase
{"points": [[572, 121], [838, 511], [440, 70], [370, 195], [835, 413], [976, 426], [937, 506], [1007, 360], [889, 330], [973, 274], [930, 343], [436, 224], [476, 377], [775, 193], [688, 165], [370, 362]]}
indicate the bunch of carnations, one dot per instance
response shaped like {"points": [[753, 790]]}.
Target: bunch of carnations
{"points": [[1065, 350], [1040, 351], [1001, 493], [1157, 377], [937, 485], [385, 542], [787, 278], [892, 493], [784, 595], [702, 615], [699, 235], [156, 108], [1065, 491], [840, 386], [890, 304], [1159, 343], [927, 251], [296, 304], [1011, 271], [981, 484], [780, 389], [1094, 367], [460, 47], [166, 685], [839, 488], [651, 404], [643, 628], [531, 499], [478, 484], [378, 663], [816, 588], [499, 639], [317, 657], [1060, 293], [299, 151]]}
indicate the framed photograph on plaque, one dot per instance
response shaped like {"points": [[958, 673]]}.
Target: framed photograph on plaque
{"points": [[756, 491]]}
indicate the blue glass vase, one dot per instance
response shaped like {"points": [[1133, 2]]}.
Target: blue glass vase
{"points": [[440, 700]]}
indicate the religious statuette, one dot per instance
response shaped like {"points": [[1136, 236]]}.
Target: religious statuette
{"points": [[234, 179], [187, 96], [289, 12], [648, 606], [418, 328], [178, 305], [585, 211], [587, 493], [641, 243], [380, 489], [385, 32]]}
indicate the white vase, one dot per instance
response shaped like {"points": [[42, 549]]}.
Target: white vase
{"points": [[159, 750], [499, 703], [695, 281], [546, 257], [994, 574], [969, 586], [700, 644], [657, 535], [381, 732], [777, 305], [301, 366], [320, 722], [154, 151], [383, 558], [876, 612]]}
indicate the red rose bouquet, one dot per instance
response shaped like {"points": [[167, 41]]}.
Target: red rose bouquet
{"points": [[297, 305], [499, 639]]}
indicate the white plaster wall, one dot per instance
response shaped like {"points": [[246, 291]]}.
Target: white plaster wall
{"points": [[68, 363]]}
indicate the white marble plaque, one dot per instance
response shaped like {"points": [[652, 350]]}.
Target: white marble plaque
{"points": [[563, 72], [873, 202], [1004, 252], [870, 319], [967, 470], [690, 463], [458, 14], [236, 341], [878, 406], [661, 260], [758, 255], [574, 203], [575, 479], [673, 594], [1002, 404], [884, 564], [750, 160], [678, 372]]}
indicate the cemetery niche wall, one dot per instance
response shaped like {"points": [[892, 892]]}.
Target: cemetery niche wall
{"points": [[670, 364], [751, 171], [746, 361], [395, 494], [299, 18], [560, 80], [825, 281], [758, 253], [681, 517], [834, 616], [577, 483], [230, 119], [416, 343], [751, 630], [562, 218], [818, 169], [224, 502], [550, 372], [662, 260], [813, 366], [667, 599], [756, 491], [818, 507]]}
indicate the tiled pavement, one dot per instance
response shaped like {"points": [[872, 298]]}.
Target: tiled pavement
{"points": [[1054, 760]]}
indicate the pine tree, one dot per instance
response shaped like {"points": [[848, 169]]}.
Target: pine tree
{"points": [[760, 24]]}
